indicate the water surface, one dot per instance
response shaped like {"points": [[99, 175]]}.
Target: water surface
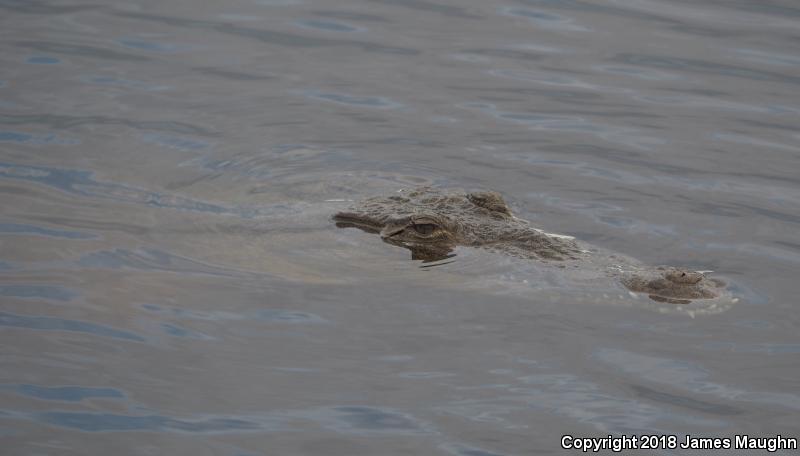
{"points": [[171, 282]]}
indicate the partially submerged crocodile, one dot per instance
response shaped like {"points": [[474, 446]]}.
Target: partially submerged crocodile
{"points": [[431, 223]]}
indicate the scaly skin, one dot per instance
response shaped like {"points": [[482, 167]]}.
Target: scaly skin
{"points": [[431, 223]]}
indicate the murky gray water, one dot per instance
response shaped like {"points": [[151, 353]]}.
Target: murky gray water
{"points": [[171, 282]]}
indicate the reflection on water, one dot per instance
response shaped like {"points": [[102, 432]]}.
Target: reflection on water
{"points": [[171, 281]]}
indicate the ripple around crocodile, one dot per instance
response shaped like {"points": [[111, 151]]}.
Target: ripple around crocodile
{"points": [[431, 223]]}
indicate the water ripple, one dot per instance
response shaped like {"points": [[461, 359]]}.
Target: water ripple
{"points": [[367, 419], [42, 60], [704, 67], [42, 7], [68, 121], [351, 16], [34, 139], [328, 26], [105, 422], [480, 54], [61, 324], [554, 80], [769, 58], [430, 7], [269, 315], [687, 376], [601, 8], [80, 51], [150, 46], [178, 331], [127, 83], [460, 450], [546, 20], [227, 73], [286, 316], [65, 393], [149, 260], [80, 182], [269, 36], [353, 100], [50, 292], [641, 73], [23, 229], [175, 142]]}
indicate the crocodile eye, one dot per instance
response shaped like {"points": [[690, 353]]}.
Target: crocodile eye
{"points": [[425, 229]]}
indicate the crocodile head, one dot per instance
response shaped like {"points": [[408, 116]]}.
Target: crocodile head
{"points": [[431, 223], [429, 236]]}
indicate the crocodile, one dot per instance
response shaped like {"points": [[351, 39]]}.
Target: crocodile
{"points": [[432, 222]]}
